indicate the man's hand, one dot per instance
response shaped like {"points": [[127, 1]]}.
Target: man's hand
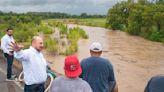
{"points": [[16, 47]]}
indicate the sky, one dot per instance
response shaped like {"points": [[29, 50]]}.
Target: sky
{"points": [[65, 6]]}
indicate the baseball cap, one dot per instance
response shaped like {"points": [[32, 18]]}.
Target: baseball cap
{"points": [[72, 66], [96, 47]]}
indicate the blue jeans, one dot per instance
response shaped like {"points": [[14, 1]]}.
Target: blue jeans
{"points": [[9, 64], [34, 88]]}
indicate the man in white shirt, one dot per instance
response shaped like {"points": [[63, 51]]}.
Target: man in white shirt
{"points": [[8, 52], [34, 65]]}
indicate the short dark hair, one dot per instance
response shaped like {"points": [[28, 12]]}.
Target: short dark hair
{"points": [[8, 29]]}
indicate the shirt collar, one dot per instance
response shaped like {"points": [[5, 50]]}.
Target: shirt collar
{"points": [[8, 36], [33, 49]]}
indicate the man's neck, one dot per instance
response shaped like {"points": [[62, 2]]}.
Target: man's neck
{"points": [[95, 55]]}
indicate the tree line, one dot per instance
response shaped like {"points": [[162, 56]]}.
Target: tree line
{"points": [[48, 15], [143, 17], [28, 24]]}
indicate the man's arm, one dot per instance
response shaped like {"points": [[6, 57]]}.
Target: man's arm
{"points": [[18, 53], [4, 46]]}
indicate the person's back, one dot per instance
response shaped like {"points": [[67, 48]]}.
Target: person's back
{"points": [[65, 84], [155, 84], [71, 81], [98, 72]]}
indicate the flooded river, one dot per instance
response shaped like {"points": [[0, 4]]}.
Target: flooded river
{"points": [[134, 59]]}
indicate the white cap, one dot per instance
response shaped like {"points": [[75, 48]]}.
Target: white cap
{"points": [[96, 47]]}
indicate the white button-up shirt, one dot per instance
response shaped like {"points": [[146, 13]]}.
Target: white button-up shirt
{"points": [[34, 65], [6, 42]]}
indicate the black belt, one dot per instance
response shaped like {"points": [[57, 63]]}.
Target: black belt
{"points": [[36, 85]]}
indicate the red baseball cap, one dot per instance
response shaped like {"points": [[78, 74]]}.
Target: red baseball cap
{"points": [[72, 66]]}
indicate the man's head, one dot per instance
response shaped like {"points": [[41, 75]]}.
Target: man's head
{"points": [[37, 43], [9, 32], [96, 49], [72, 66]]}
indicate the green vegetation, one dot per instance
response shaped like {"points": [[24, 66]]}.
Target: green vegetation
{"points": [[96, 22], [25, 26], [51, 45], [58, 15], [72, 35], [141, 18]]}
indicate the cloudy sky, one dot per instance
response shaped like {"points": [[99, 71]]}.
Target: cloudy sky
{"points": [[66, 6]]}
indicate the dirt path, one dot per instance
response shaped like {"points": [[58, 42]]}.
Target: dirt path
{"points": [[134, 59]]}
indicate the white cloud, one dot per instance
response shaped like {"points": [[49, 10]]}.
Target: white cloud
{"points": [[67, 6]]}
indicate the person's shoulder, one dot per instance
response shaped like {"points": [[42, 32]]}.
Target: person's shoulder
{"points": [[155, 84], [106, 61], [26, 50], [59, 78], [158, 78], [4, 37], [83, 81], [85, 59], [103, 59]]}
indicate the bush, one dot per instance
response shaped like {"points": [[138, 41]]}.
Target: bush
{"points": [[72, 48], [23, 36], [155, 36], [2, 33], [51, 45]]}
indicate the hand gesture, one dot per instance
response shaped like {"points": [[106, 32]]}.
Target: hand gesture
{"points": [[16, 47]]}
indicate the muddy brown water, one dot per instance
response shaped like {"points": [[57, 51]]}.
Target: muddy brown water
{"points": [[135, 59]]}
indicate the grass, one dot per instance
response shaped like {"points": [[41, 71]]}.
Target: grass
{"points": [[96, 22]]}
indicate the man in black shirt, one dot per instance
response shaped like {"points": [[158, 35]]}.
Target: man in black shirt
{"points": [[155, 84]]}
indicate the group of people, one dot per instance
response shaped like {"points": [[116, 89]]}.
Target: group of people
{"points": [[92, 74]]}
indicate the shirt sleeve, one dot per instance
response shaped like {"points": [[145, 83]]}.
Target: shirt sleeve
{"points": [[21, 55], [87, 88], [4, 45], [111, 79], [111, 73]]}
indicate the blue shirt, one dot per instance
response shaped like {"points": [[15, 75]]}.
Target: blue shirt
{"points": [[98, 72], [155, 84]]}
